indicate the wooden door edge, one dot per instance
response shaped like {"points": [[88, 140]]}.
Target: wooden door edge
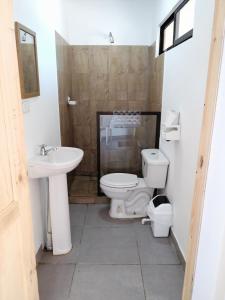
{"points": [[215, 60]]}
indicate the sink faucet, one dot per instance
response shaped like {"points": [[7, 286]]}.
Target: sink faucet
{"points": [[44, 151]]}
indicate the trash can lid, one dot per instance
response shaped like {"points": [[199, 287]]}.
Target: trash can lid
{"points": [[160, 199], [162, 209]]}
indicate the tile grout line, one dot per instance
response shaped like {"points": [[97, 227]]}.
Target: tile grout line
{"points": [[71, 283], [142, 277], [105, 264], [83, 227], [75, 265]]}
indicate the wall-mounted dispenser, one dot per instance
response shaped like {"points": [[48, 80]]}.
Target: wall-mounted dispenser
{"points": [[171, 127]]}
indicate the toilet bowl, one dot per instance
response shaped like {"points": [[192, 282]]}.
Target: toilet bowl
{"points": [[129, 194]]}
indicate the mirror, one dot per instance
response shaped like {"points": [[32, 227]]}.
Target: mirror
{"points": [[27, 60]]}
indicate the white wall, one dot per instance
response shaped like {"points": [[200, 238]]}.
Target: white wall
{"points": [[209, 278], [90, 21], [162, 10], [42, 118], [185, 74]]}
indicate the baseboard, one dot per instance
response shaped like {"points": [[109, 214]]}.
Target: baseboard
{"points": [[179, 252], [39, 255]]}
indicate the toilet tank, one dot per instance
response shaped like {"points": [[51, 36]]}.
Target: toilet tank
{"points": [[154, 168]]}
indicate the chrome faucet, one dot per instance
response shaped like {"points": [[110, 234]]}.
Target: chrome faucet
{"points": [[44, 151]]}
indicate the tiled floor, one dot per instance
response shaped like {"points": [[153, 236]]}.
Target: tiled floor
{"points": [[111, 260]]}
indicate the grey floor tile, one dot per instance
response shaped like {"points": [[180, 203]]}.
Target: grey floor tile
{"points": [[95, 215], [155, 251], [108, 253], [55, 281], [107, 282], [72, 257], [163, 282], [76, 234], [102, 245], [98, 216], [69, 258], [78, 214]]}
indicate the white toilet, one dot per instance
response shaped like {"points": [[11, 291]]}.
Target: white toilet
{"points": [[129, 194]]}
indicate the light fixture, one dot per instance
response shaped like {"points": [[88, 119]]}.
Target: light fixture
{"points": [[111, 38]]}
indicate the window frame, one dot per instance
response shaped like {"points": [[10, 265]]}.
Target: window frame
{"points": [[173, 18]]}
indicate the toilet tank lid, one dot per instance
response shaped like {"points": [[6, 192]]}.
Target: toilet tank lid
{"points": [[119, 180], [154, 157]]}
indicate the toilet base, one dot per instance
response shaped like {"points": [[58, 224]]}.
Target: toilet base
{"points": [[118, 211]]}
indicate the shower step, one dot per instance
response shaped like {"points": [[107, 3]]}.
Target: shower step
{"points": [[88, 200]]}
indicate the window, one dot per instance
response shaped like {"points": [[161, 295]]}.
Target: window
{"points": [[178, 27], [168, 36]]}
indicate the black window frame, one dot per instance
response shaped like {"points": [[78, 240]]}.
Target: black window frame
{"points": [[169, 20]]}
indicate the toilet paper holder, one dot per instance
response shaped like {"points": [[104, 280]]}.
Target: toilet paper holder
{"points": [[71, 102]]}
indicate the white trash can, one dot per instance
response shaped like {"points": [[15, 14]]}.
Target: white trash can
{"points": [[160, 213]]}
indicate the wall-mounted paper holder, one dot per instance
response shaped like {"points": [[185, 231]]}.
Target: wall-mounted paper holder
{"points": [[171, 128], [171, 133], [71, 102]]}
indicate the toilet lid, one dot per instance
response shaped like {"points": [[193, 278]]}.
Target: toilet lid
{"points": [[119, 180]]}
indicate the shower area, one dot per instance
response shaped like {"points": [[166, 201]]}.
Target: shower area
{"points": [[121, 137], [118, 90]]}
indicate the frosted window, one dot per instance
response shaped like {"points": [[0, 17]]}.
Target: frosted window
{"points": [[178, 27], [185, 19], [168, 36]]}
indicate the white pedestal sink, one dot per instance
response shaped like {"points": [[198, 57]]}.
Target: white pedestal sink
{"points": [[55, 165]]}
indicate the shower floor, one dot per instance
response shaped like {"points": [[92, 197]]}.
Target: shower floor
{"points": [[84, 189]]}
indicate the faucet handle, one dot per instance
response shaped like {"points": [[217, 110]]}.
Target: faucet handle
{"points": [[42, 145], [43, 149]]}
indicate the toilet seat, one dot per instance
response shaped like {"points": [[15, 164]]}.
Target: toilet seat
{"points": [[120, 180]]}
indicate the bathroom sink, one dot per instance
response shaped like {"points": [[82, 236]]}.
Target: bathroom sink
{"points": [[59, 161], [54, 165]]}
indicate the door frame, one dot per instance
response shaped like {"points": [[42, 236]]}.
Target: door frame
{"points": [[215, 60], [18, 276]]}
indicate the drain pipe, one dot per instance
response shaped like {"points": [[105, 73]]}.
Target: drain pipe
{"points": [[49, 245], [145, 221], [45, 209]]}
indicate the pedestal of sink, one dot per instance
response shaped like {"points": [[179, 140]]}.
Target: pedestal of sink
{"points": [[59, 214], [55, 165]]}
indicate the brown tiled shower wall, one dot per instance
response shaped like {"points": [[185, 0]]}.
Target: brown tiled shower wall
{"points": [[104, 78], [64, 72]]}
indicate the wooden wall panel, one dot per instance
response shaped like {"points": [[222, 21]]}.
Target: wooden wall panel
{"points": [[103, 78], [64, 73], [156, 68]]}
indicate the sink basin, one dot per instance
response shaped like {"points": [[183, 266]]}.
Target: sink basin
{"points": [[60, 161], [55, 165]]}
